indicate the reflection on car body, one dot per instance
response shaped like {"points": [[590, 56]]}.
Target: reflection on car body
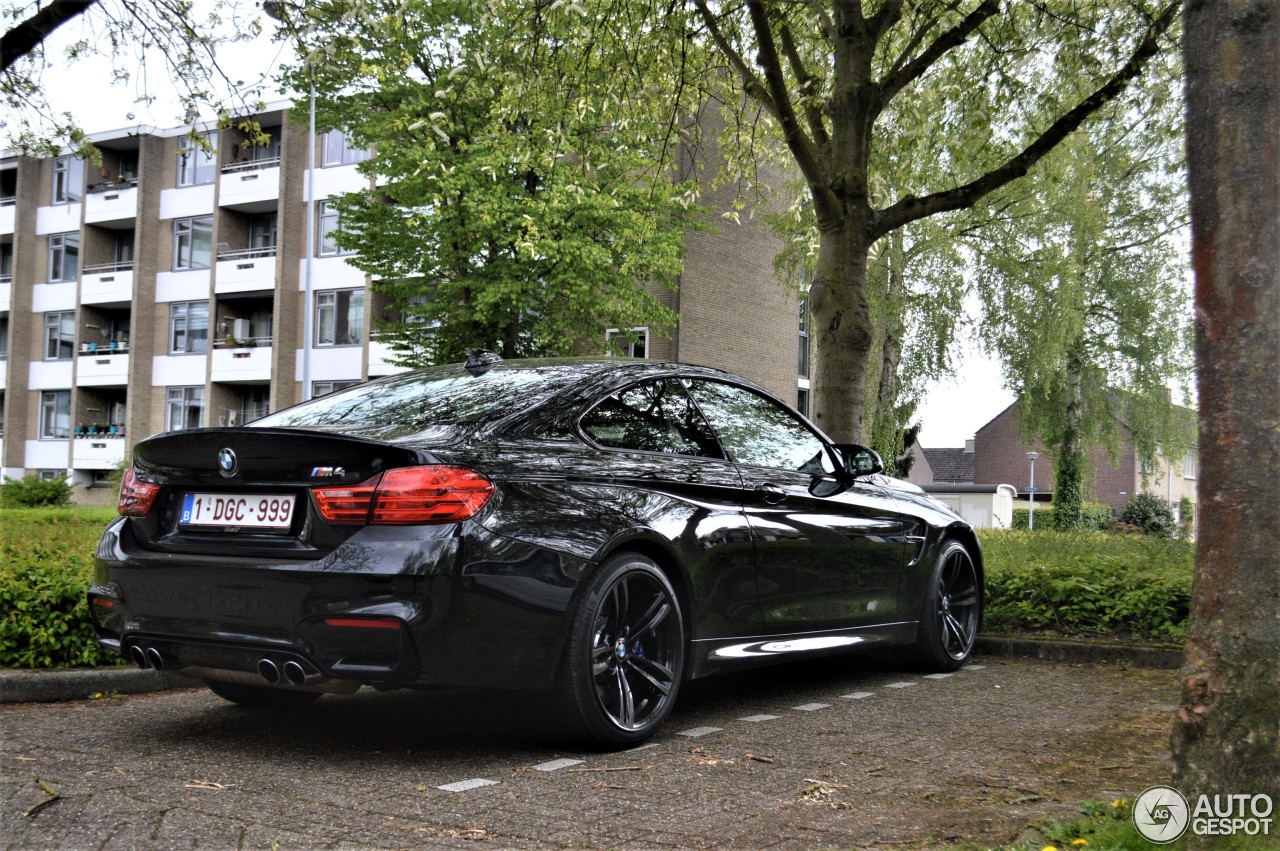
{"points": [[603, 529]]}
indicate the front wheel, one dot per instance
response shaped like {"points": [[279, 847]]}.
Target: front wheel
{"points": [[624, 658], [952, 612]]}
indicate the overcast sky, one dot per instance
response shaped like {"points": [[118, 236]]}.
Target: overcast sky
{"points": [[952, 411]]}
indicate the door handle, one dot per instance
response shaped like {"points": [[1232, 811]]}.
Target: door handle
{"points": [[771, 493]]}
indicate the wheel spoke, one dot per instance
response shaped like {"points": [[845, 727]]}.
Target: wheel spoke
{"points": [[600, 659], [954, 627], [620, 599], [626, 702], [647, 668], [657, 614], [970, 598]]}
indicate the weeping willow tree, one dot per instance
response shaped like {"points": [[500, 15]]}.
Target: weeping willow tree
{"points": [[1082, 273]]}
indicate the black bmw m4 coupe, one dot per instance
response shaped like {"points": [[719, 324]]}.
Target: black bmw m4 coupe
{"points": [[599, 529]]}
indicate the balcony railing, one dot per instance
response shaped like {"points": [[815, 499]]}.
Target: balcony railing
{"points": [[243, 342], [114, 347], [99, 430], [251, 165], [103, 268], [246, 253], [108, 185], [8, 200]]}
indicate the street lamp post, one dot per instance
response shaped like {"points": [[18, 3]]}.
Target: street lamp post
{"points": [[1031, 491]]}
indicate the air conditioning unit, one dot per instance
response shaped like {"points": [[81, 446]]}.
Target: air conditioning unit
{"points": [[240, 329]]}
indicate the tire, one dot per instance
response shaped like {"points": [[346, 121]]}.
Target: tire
{"points": [[951, 615], [625, 654], [262, 697]]}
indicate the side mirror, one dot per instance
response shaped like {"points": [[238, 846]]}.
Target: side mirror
{"points": [[859, 460]]}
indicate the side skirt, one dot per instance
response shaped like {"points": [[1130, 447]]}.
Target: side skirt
{"points": [[718, 655]]}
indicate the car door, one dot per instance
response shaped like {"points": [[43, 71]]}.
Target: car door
{"points": [[653, 442], [829, 552]]}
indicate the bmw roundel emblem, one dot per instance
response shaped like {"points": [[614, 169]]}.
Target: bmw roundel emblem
{"points": [[227, 463]]}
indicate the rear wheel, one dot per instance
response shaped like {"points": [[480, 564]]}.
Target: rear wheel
{"points": [[262, 697], [624, 659], [952, 612]]}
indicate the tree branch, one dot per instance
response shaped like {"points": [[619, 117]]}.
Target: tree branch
{"points": [[26, 36], [949, 40], [910, 208], [808, 84], [750, 82]]}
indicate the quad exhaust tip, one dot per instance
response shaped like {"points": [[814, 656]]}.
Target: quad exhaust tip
{"points": [[269, 671], [139, 657]]}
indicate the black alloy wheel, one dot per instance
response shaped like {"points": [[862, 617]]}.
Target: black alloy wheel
{"points": [[952, 612], [625, 656]]}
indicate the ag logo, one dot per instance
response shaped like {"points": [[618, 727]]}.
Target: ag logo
{"points": [[1161, 814]]}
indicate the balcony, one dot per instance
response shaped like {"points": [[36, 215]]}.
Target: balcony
{"points": [[103, 366], [111, 204], [6, 292], [98, 447], [253, 187], [244, 362], [8, 215], [381, 359], [106, 283], [245, 270]]}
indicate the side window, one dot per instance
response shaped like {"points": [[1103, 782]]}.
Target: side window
{"points": [[654, 417], [757, 431]]}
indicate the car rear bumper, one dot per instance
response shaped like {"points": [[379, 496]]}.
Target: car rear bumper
{"points": [[387, 608]]}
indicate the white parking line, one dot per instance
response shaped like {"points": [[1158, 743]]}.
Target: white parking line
{"points": [[759, 718], [859, 695], [557, 764], [811, 707], [467, 785], [899, 685], [937, 676], [699, 731], [973, 667]]}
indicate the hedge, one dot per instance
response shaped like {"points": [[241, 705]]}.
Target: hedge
{"points": [[46, 567], [1088, 584], [1093, 515]]}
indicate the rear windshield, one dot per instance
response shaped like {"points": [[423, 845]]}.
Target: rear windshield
{"points": [[442, 396]]}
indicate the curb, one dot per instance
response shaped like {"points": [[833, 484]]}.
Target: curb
{"points": [[1168, 658], [83, 683]]}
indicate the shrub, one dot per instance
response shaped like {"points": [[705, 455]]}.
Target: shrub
{"points": [[46, 567], [1151, 514], [1087, 583], [1093, 516], [31, 491]]}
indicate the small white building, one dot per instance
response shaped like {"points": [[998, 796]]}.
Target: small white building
{"points": [[982, 506]]}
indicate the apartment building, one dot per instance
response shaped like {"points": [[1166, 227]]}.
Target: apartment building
{"points": [[165, 289]]}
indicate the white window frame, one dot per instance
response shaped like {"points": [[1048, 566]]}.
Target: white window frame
{"points": [[1190, 464], [55, 415], [328, 223], [184, 234], [59, 335], [62, 245], [179, 402], [626, 341], [331, 301], [68, 180], [196, 166], [180, 323], [324, 388], [336, 150]]}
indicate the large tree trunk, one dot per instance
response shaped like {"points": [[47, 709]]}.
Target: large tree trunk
{"points": [[1226, 738], [841, 331], [1069, 467]]}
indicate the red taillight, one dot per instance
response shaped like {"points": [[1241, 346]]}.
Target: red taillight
{"points": [[363, 623], [136, 496], [407, 495]]}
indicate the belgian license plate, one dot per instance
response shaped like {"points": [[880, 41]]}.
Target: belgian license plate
{"points": [[242, 510]]}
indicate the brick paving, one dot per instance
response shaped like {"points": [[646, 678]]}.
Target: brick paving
{"points": [[816, 755]]}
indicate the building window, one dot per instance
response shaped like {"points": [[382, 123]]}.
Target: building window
{"points": [[55, 415], [262, 234], [328, 242], [336, 150], [340, 318], [189, 327], [59, 335], [185, 408], [68, 180], [632, 343], [324, 388], [803, 364], [1189, 464], [64, 256], [192, 243], [196, 165]]}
